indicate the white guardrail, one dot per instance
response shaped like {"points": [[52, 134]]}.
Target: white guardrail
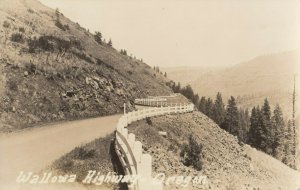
{"points": [[129, 151], [155, 101]]}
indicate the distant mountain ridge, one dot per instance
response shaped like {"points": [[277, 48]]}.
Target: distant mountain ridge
{"points": [[267, 76]]}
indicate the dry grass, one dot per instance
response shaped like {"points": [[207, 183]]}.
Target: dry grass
{"points": [[92, 156]]}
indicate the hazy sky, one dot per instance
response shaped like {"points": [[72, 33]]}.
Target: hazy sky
{"points": [[191, 32]]}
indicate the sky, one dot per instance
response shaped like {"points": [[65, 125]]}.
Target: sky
{"points": [[204, 33]]}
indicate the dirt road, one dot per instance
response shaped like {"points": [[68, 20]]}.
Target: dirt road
{"points": [[33, 150]]}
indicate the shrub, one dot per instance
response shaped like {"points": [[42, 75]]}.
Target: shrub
{"points": [[64, 165], [30, 67], [191, 154], [63, 27], [22, 29], [83, 56], [6, 24], [51, 43], [30, 11], [17, 37], [42, 43], [148, 121], [12, 85]]}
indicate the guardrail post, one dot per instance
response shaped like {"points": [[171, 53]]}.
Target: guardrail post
{"points": [[138, 153], [125, 133], [124, 108], [131, 139], [146, 161], [157, 185], [146, 172]]}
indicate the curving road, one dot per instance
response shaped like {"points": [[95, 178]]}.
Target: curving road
{"points": [[33, 150]]}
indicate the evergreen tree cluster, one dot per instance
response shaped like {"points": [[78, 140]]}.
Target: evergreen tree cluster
{"points": [[270, 133], [156, 69], [187, 91], [98, 37], [100, 40], [263, 129], [123, 52]]}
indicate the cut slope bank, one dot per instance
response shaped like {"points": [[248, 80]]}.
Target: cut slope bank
{"points": [[53, 69]]}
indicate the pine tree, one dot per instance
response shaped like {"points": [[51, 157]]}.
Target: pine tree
{"points": [[202, 105], [209, 107], [57, 13], [98, 38], [195, 99], [279, 134], [188, 92], [191, 153], [288, 146], [267, 125], [219, 111], [231, 121], [110, 44], [253, 132], [262, 135], [243, 125], [177, 88]]}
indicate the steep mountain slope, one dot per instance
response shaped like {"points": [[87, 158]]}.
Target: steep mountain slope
{"points": [[52, 69], [226, 163]]}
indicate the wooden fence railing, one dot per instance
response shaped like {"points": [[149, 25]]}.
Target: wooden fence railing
{"points": [[129, 151]]}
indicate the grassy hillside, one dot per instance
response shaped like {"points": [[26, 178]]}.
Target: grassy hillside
{"points": [[226, 163], [53, 69]]}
